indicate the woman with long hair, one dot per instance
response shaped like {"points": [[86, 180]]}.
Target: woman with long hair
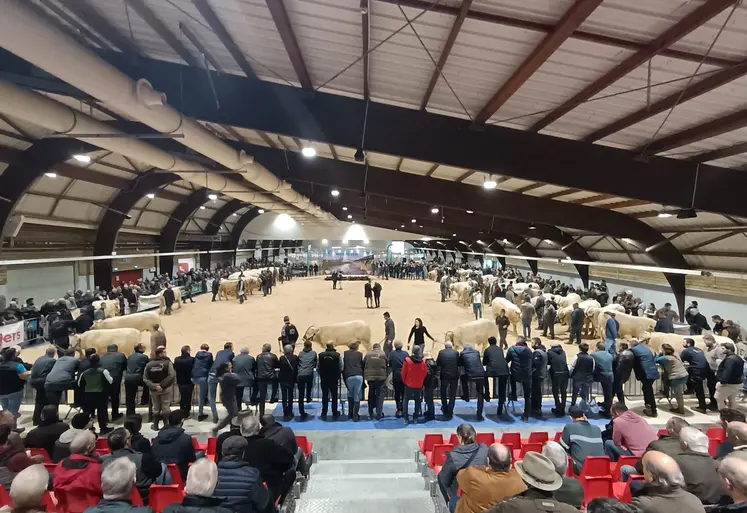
{"points": [[419, 331]]}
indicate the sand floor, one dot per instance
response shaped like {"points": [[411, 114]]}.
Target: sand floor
{"points": [[311, 301]]}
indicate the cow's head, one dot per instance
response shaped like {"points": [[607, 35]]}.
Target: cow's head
{"points": [[312, 332]]}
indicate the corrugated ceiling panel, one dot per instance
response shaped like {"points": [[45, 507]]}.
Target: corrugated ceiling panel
{"points": [[78, 210], [514, 183], [448, 172], [716, 263], [92, 191], [476, 179], [34, 205], [382, 160], [50, 185], [417, 167], [703, 219], [14, 142], [576, 196], [152, 220]]}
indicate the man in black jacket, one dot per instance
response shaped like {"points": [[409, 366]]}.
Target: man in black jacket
{"points": [[448, 363], [133, 378], [539, 374], [520, 358], [730, 376], [267, 365], [473, 369], [183, 367], [116, 363], [396, 361], [698, 368], [556, 358], [288, 365], [275, 464], [216, 287], [39, 371], [623, 367], [582, 372], [329, 368], [168, 298], [576, 324], [173, 445], [496, 368]]}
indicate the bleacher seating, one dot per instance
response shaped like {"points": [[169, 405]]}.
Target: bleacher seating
{"points": [[304, 444], [596, 486], [42, 452], [426, 444], [176, 476], [102, 443], [212, 445], [615, 466], [438, 455], [161, 496], [595, 466]]}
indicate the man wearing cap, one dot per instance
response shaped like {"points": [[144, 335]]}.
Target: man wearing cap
{"points": [[289, 333], [538, 474]]}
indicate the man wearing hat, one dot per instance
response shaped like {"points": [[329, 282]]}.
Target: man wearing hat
{"points": [[538, 474]]}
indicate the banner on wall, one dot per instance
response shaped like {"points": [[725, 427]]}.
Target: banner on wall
{"points": [[12, 334]]}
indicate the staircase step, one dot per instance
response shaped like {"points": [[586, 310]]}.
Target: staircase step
{"points": [[356, 484], [373, 503], [344, 468]]}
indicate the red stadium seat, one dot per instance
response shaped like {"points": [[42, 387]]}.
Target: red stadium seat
{"points": [[600, 486], [51, 467], [5, 497], [538, 437], [716, 433], [438, 456], [453, 440], [431, 439], [43, 452], [615, 466], [557, 436], [595, 466], [511, 438], [437, 469], [713, 446], [528, 448], [304, 444], [101, 452], [661, 433], [621, 491], [135, 497], [485, 438], [176, 476], [212, 443], [162, 495], [50, 506], [102, 443], [197, 445]]}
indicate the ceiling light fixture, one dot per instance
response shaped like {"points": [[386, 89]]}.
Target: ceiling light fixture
{"points": [[414, 221], [350, 216], [85, 159], [344, 208], [261, 211], [150, 195], [335, 192], [50, 175], [359, 156], [434, 210], [325, 241], [401, 226], [212, 197], [532, 227], [202, 207], [664, 214], [480, 242], [470, 212], [308, 152], [235, 214], [365, 241], [505, 241], [687, 213], [453, 234], [490, 183]]}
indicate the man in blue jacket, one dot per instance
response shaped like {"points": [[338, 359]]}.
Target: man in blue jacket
{"points": [[240, 484], [610, 333], [225, 355], [396, 361], [698, 369], [603, 373], [200, 370], [730, 375], [475, 372], [646, 372], [519, 356]]}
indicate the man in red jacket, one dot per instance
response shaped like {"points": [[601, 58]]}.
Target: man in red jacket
{"points": [[77, 478], [414, 372]]}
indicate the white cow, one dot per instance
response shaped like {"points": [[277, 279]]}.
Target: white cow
{"points": [[125, 338], [655, 340], [569, 300], [592, 316], [340, 334], [512, 311], [111, 307], [462, 291], [141, 321], [565, 312], [630, 326], [177, 299], [474, 332], [432, 274]]}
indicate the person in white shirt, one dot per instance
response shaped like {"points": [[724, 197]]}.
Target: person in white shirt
{"points": [[477, 304]]}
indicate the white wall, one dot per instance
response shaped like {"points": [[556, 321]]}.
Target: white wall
{"points": [[39, 282], [85, 282]]}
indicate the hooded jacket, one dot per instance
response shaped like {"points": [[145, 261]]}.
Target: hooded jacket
{"points": [[631, 431], [307, 360], [173, 445], [202, 365], [520, 358], [460, 457], [414, 372], [557, 360], [78, 475]]}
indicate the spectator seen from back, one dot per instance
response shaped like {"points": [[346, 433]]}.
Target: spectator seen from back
{"points": [[482, 487], [133, 424], [581, 439], [733, 475], [727, 415], [240, 483], [48, 432], [13, 376], [77, 478], [27, 491], [730, 375], [275, 464], [466, 454], [698, 468], [148, 469], [571, 491], [201, 481], [664, 488], [173, 445], [631, 434], [202, 364], [609, 505], [117, 482], [80, 422]]}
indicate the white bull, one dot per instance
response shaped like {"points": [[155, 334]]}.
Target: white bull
{"points": [[569, 300], [630, 326], [141, 321], [432, 274], [565, 312], [462, 290], [592, 316], [512, 311], [655, 340], [162, 301], [111, 307], [125, 338], [473, 332], [340, 334]]}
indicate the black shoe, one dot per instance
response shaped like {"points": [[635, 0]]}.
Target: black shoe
{"points": [[701, 410], [105, 431], [406, 421], [336, 415], [480, 418], [398, 414], [200, 418], [116, 417], [323, 416], [304, 416], [154, 427], [525, 418], [273, 400]]}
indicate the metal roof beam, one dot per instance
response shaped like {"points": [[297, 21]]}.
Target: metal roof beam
{"points": [[285, 29], [366, 39], [683, 27], [91, 17], [220, 30], [160, 28]]}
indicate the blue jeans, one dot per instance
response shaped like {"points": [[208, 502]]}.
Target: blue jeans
{"points": [[614, 451], [626, 471], [477, 308], [527, 327], [609, 346], [212, 382], [416, 394], [12, 402], [201, 393], [355, 388]]}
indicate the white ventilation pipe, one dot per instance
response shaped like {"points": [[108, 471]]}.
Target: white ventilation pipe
{"points": [[43, 111], [44, 45]]}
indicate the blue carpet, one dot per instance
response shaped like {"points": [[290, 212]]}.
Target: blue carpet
{"points": [[463, 412]]}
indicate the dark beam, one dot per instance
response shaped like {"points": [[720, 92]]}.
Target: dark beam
{"points": [[91, 17], [115, 216], [720, 153], [432, 170], [238, 227], [366, 39], [718, 126], [200, 46], [283, 24], [464, 176], [73, 28], [213, 227], [170, 232], [683, 27], [624, 204], [566, 26], [160, 28], [592, 199], [220, 30], [445, 51], [708, 84], [558, 194], [530, 187], [581, 35]]}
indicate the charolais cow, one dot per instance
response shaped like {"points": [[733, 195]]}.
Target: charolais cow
{"points": [[512, 311], [630, 326], [111, 307], [125, 338], [565, 312], [141, 321], [177, 299], [655, 340], [340, 334], [473, 332], [569, 300], [462, 291]]}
